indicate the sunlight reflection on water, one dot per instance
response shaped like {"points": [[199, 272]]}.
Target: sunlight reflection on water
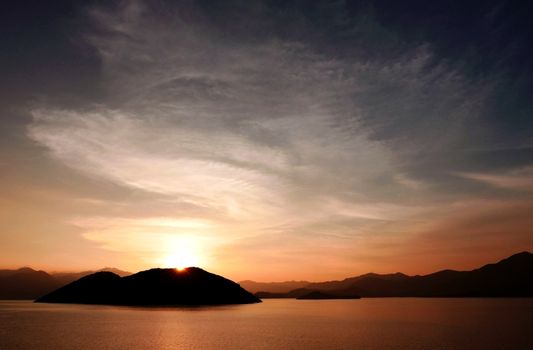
{"points": [[384, 323]]}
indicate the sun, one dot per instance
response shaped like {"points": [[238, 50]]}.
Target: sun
{"points": [[181, 259], [182, 252]]}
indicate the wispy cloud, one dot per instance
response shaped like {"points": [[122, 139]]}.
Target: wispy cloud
{"points": [[515, 179], [264, 138]]}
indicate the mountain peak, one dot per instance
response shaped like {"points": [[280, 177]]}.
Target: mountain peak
{"points": [[26, 269], [522, 255]]}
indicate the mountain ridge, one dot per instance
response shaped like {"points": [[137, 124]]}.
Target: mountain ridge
{"points": [[509, 277], [27, 283]]}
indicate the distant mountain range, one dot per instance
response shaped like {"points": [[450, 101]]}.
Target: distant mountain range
{"points": [[511, 277], [154, 287], [273, 287], [27, 283]]}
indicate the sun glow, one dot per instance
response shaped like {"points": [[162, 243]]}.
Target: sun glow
{"points": [[180, 260], [182, 255]]}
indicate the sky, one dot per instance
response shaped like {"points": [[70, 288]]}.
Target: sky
{"points": [[265, 140]]}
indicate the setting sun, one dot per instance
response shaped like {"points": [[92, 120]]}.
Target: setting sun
{"points": [[181, 260], [184, 252]]}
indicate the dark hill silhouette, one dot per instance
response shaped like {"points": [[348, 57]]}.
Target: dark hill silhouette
{"points": [[348, 282], [27, 283], [191, 286], [281, 288], [273, 287], [296, 293], [68, 277], [511, 277]]}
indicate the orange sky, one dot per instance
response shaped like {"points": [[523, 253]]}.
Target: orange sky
{"points": [[132, 137]]}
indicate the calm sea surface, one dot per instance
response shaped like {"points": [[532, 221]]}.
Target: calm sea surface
{"points": [[385, 323]]}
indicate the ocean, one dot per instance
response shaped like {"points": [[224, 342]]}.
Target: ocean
{"points": [[370, 323]]}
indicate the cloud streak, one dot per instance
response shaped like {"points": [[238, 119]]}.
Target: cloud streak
{"points": [[520, 179], [268, 138]]}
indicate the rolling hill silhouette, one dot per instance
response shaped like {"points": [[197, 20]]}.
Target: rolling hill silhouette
{"points": [[191, 286], [273, 287], [511, 277], [27, 283], [67, 277]]}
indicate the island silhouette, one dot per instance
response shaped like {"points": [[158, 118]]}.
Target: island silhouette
{"points": [[154, 287]]}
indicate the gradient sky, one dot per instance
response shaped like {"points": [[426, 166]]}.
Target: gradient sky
{"points": [[266, 140]]}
